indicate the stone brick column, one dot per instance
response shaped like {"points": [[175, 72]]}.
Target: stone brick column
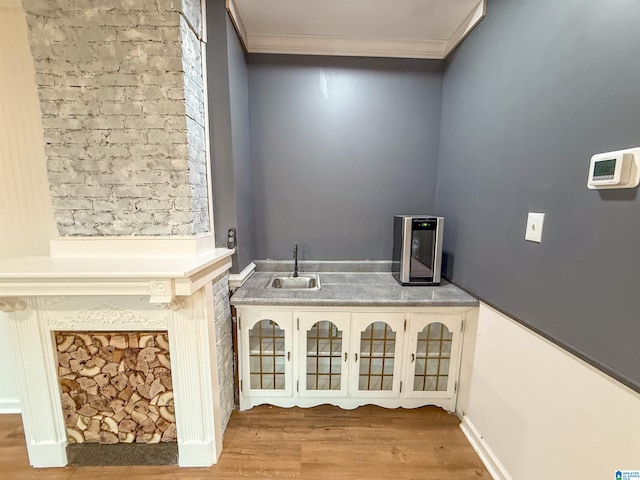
{"points": [[121, 91]]}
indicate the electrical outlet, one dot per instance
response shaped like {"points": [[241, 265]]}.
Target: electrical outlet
{"points": [[535, 222], [231, 238]]}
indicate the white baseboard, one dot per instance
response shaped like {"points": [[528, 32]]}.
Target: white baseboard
{"points": [[196, 454], [45, 455], [496, 469], [9, 405]]}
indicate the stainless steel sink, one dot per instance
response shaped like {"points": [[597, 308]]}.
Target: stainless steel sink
{"points": [[304, 281]]}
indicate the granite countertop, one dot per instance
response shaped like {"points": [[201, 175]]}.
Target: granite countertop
{"points": [[374, 289]]}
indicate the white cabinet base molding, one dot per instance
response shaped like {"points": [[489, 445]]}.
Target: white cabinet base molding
{"points": [[45, 295]]}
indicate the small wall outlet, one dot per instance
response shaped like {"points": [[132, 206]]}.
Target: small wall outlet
{"points": [[231, 238], [535, 222]]}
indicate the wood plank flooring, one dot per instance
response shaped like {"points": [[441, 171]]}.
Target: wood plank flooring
{"points": [[321, 443]]}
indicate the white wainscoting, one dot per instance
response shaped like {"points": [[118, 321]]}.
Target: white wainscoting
{"points": [[535, 411]]}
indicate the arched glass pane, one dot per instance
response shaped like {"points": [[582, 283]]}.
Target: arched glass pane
{"points": [[324, 361], [377, 349], [266, 356], [433, 356]]}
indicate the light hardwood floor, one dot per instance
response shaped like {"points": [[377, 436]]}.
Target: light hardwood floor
{"points": [[321, 443]]}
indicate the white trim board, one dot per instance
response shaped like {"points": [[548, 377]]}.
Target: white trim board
{"points": [[9, 405], [131, 246], [236, 280], [496, 470], [346, 46]]}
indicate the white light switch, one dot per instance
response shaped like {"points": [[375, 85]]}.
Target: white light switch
{"points": [[535, 221]]}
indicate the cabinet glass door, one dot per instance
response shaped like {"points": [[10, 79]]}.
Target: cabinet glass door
{"points": [[323, 360], [377, 346], [434, 345], [266, 353]]}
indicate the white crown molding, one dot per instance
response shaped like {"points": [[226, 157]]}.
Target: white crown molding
{"points": [[232, 10], [466, 26], [313, 44], [345, 46], [236, 280], [131, 246]]}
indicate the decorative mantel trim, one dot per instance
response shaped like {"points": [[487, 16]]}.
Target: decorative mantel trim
{"points": [[160, 278], [107, 315], [10, 305]]}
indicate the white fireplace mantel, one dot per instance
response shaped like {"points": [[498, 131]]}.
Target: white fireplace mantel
{"points": [[161, 278], [124, 293]]}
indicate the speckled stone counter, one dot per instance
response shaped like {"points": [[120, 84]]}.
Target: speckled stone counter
{"points": [[374, 289]]}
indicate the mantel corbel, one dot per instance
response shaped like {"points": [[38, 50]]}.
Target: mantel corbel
{"points": [[176, 304], [12, 304]]}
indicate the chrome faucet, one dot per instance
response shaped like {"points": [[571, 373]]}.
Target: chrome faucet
{"points": [[295, 259]]}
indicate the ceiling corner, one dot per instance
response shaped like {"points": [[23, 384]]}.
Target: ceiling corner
{"points": [[467, 25], [237, 22]]}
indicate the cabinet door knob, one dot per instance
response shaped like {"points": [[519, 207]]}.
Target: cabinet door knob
{"points": [[356, 357], [345, 356], [413, 357], [288, 356]]}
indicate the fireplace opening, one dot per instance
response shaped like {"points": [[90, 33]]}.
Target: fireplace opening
{"points": [[116, 389]]}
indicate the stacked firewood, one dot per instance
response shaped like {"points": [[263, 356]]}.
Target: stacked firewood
{"points": [[116, 387]]}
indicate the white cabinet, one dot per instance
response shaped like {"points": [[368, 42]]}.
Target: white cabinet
{"points": [[349, 357], [434, 353], [266, 343], [323, 354], [377, 347]]}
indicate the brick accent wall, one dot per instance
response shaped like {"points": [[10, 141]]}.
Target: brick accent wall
{"points": [[224, 347], [121, 92]]}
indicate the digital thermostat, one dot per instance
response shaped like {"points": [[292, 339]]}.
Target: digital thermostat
{"points": [[615, 169]]}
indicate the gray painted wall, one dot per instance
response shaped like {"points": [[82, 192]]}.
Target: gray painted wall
{"points": [[241, 147], [224, 206], [229, 134], [537, 89], [340, 145]]}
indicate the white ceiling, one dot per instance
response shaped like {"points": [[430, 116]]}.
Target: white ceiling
{"points": [[379, 28]]}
